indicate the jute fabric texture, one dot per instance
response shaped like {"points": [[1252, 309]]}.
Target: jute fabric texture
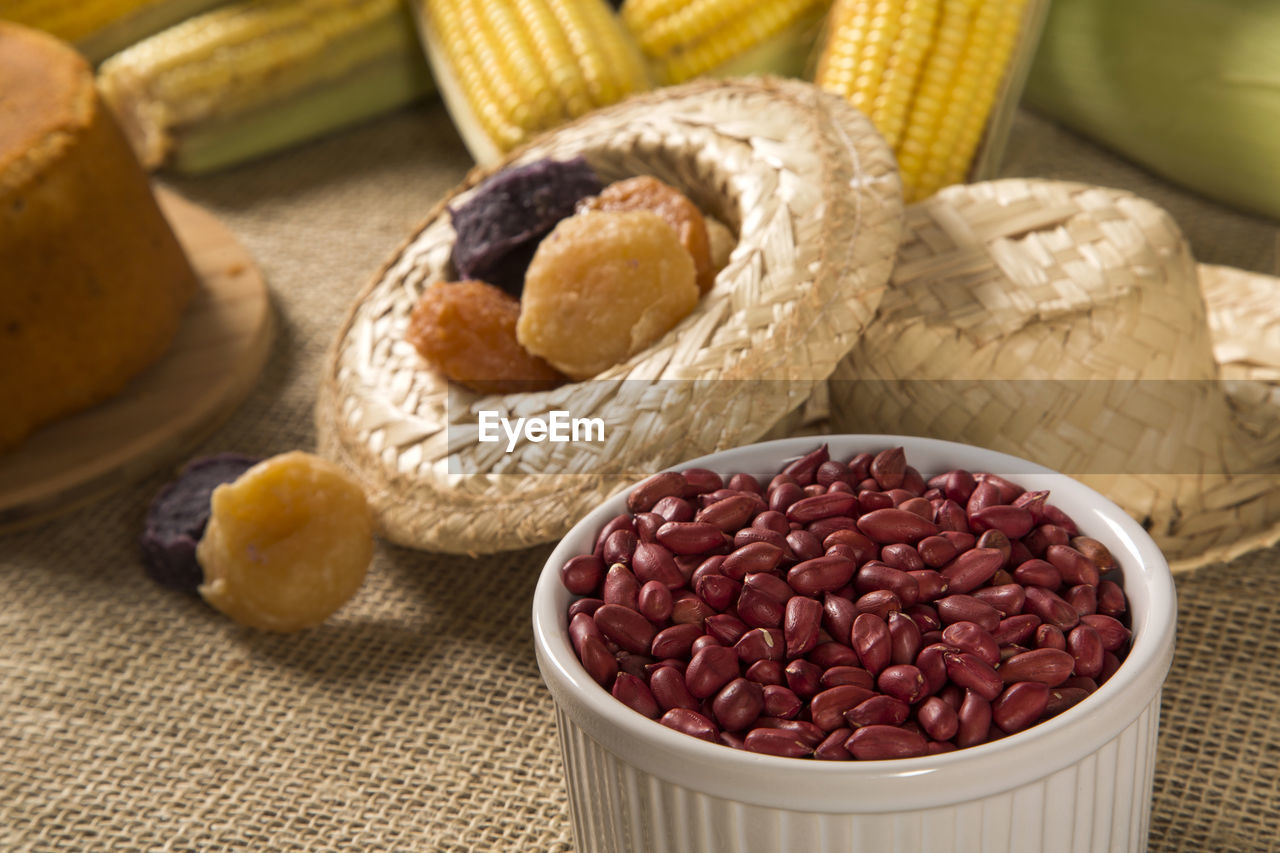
{"points": [[133, 718]]}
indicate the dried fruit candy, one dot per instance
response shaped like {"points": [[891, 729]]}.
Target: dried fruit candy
{"points": [[603, 286], [645, 192], [467, 330], [288, 543], [177, 517], [498, 228]]}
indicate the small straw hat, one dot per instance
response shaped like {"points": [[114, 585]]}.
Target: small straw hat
{"points": [[1070, 325], [811, 192]]}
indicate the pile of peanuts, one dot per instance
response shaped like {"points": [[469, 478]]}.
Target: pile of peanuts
{"points": [[847, 609]]}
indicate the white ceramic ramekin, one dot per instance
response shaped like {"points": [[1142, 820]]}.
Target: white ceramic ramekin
{"points": [[1081, 781]]}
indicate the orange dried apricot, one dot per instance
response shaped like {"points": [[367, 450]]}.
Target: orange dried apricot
{"points": [[467, 330], [645, 192], [603, 286], [288, 543]]}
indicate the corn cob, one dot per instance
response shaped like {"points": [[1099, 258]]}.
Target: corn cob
{"points": [[255, 76], [99, 28], [927, 72], [509, 70], [689, 38]]}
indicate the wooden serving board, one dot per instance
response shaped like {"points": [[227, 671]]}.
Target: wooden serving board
{"points": [[164, 412]]}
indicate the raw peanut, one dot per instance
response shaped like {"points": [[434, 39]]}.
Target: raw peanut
{"points": [[886, 526], [1020, 705], [902, 556], [783, 496], [971, 569], [584, 605], [688, 563], [731, 513], [745, 483], [654, 602], [871, 640], [1050, 607], [1113, 635], [647, 524], [881, 602], [937, 719], [625, 627], [828, 707], [703, 642], [972, 672], [738, 704], [635, 694], [1033, 502], [961, 539], [1007, 490], [832, 748], [687, 607], [692, 723], [761, 644], [1095, 551], [903, 682], [780, 701], [1085, 646], [691, 537], [1008, 598], [648, 492], [1074, 567], [582, 574], [995, 539], [773, 520], [935, 551], [950, 516], [1016, 629], [672, 508], [930, 586], [904, 638], [832, 471], [966, 608], [913, 481], [824, 527], [811, 509], [804, 545], [838, 614], [1039, 540], [863, 547], [669, 689], [805, 469], [875, 575], [807, 732], [1062, 698], [984, 495], [878, 710], [821, 574], [804, 678], [1083, 599], [974, 718], [1111, 600], [925, 616], [968, 637], [876, 743], [932, 666], [1050, 637], [751, 535], [1013, 521], [917, 506], [759, 610], [582, 626], [653, 562], [637, 665], [599, 663], [1110, 663], [731, 740], [847, 675], [618, 522], [674, 641], [770, 741], [889, 467], [827, 655], [770, 585], [952, 695], [801, 622], [1056, 516], [699, 481], [725, 627], [1047, 666], [1037, 572], [1008, 650], [619, 547], [870, 500], [860, 466], [766, 672], [710, 669], [717, 591], [958, 485], [750, 559]]}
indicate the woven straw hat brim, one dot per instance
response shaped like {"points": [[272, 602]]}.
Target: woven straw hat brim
{"points": [[1070, 325], [812, 193]]}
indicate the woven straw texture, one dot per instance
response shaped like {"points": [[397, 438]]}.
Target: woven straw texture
{"points": [[1066, 323], [136, 719], [809, 189]]}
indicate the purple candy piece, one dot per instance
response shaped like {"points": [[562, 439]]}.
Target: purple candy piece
{"points": [[499, 227], [178, 515]]}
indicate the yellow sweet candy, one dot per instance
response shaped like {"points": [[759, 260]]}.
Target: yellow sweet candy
{"points": [[287, 544]]}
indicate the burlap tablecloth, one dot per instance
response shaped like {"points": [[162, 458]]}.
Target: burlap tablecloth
{"points": [[133, 718]]}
